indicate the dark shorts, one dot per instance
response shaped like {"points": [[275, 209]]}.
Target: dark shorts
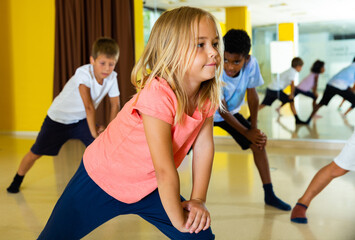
{"points": [[243, 142], [331, 91], [308, 93], [53, 135], [272, 95], [84, 206]]}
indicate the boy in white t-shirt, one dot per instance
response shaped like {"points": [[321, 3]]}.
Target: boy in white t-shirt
{"points": [[72, 113], [275, 89]]}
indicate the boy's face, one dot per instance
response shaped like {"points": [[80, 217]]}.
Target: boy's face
{"points": [[233, 63], [103, 66]]}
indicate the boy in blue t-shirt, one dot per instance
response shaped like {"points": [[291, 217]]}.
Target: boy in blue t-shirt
{"points": [[241, 74], [72, 113]]}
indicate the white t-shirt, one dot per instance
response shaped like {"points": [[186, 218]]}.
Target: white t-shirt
{"points": [[68, 106], [285, 79]]}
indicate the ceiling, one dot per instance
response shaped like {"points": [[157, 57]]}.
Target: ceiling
{"points": [[329, 15]]}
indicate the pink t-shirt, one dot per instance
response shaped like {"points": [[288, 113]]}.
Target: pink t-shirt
{"points": [[308, 82], [119, 160]]}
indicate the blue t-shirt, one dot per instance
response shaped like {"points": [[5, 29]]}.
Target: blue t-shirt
{"points": [[234, 89], [344, 79]]}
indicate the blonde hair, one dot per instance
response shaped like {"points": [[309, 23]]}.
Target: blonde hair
{"points": [[171, 47]]}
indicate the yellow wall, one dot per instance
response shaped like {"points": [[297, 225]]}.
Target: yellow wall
{"points": [[138, 28], [27, 63], [6, 82]]}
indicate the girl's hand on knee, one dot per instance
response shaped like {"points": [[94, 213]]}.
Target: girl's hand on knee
{"points": [[198, 216]]}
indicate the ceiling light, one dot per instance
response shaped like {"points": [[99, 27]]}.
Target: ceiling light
{"points": [[277, 5]]}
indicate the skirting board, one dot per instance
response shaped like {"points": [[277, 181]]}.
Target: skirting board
{"points": [[291, 143]]}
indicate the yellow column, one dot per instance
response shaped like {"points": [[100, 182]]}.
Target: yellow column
{"points": [[238, 18], [138, 28], [286, 32]]}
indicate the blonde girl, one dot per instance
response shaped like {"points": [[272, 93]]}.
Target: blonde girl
{"points": [[131, 167]]}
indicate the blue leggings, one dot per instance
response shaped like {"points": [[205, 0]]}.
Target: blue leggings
{"points": [[84, 206]]}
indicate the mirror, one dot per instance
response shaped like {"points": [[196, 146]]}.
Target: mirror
{"points": [[332, 42]]}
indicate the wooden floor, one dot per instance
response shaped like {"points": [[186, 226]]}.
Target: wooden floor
{"points": [[235, 198]]}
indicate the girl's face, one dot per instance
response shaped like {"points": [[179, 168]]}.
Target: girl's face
{"points": [[322, 70], [203, 67]]}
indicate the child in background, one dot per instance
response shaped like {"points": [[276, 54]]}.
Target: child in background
{"points": [[72, 113], [131, 168], [342, 164], [311, 82], [340, 85], [275, 89], [342, 102], [242, 75]]}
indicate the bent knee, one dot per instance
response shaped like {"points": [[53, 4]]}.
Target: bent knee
{"points": [[337, 171]]}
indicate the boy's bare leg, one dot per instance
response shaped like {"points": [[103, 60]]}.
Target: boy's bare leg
{"points": [[262, 164], [27, 162], [315, 110], [25, 165], [323, 177]]}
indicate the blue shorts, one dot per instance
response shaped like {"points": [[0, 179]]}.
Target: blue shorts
{"points": [[53, 135], [84, 206], [308, 93]]}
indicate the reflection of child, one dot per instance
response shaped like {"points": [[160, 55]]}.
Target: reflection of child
{"points": [[275, 89], [342, 164], [340, 85], [72, 113], [131, 167], [241, 74], [308, 86]]}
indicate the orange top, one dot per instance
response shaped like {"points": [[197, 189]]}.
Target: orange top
{"points": [[119, 161]]}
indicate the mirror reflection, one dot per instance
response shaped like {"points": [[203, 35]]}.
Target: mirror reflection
{"points": [[331, 42]]}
